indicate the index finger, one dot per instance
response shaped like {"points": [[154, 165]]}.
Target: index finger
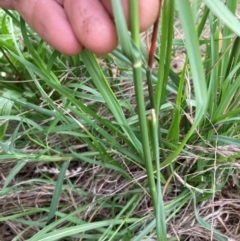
{"points": [[50, 21]]}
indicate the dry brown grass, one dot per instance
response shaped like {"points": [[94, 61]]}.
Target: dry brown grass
{"points": [[222, 211]]}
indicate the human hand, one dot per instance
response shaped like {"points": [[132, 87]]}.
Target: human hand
{"points": [[71, 25]]}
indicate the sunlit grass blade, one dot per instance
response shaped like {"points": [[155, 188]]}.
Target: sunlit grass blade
{"points": [[224, 14]]}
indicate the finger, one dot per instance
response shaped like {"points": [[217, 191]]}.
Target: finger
{"points": [[49, 20], [148, 11], [8, 4], [92, 25]]}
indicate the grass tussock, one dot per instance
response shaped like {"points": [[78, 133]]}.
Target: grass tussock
{"points": [[114, 148]]}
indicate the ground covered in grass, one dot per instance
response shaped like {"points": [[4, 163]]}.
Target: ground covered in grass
{"points": [[72, 159]]}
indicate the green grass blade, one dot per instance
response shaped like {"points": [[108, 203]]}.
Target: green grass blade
{"points": [[206, 225], [66, 232], [174, 129], [160, 208], [224, 14], [5, 109], [133, 54], [14, 171], [57, 191], [193, 51], [165, 52], [111, 100], [134, 21], [199, 81]]}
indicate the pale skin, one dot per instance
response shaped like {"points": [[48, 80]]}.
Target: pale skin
{"points": [[71, 25]]}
